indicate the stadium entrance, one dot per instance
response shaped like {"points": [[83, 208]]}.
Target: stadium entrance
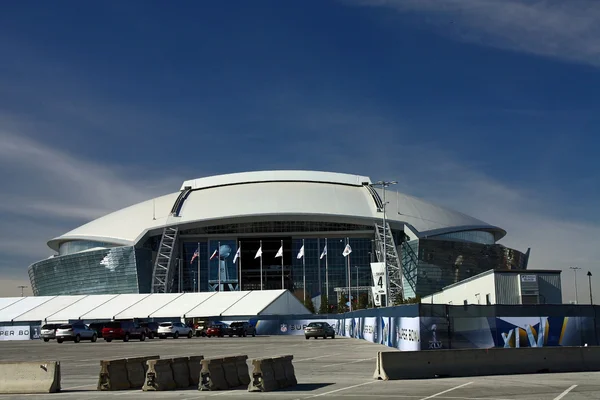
{"points": [[271, 266]]}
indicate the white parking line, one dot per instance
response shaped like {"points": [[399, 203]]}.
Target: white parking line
{"points": [[342, 389], [316, 358], [563, 394], [348, 362], [446, 391]]}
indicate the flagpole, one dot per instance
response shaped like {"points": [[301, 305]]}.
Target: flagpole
{"points": [[282, 283], [327, 274], [261, 272], [349, 277], [219, 263], [319, 266], [240, 265], [304, 270], [199, 287]]}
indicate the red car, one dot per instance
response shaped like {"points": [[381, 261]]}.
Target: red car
{"points": [[123, 331], [215, 330]]}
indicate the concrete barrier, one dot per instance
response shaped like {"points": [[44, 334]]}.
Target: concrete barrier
{"points": [[212, 375], [29, 377], [136, 370], [113, 375], [242, 369], [195, 366], [273, 373], [393, 365], [123, 373], [159, 376], [181, 372], [224, 373]]}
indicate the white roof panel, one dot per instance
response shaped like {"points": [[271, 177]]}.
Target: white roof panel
{"points": [[83, 306], [215, 305], [28, 303], [253, 303], [276, 176], [7, 301], [180, 306], [50, 307], [114, 306], [147, 306]]}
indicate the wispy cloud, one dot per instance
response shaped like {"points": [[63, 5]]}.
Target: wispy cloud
{"points": [[567, 30]]}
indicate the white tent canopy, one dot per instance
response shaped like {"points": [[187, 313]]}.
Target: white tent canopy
{"points": [[143, 306]]}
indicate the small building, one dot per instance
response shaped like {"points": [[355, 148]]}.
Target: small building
{"points": [[502, 287]]}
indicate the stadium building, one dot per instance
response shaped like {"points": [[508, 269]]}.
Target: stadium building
{"points": [[207, 237]]}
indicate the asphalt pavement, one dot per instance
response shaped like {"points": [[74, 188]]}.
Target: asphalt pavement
{"points": [[334, 369]]}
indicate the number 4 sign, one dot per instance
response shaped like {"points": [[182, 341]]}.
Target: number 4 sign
{"points": [[378, 271]]}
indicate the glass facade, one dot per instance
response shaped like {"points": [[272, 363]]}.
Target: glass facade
{"points": [[428, 264], [76, 246], [115, 270], [440, 263], [482, 237]]}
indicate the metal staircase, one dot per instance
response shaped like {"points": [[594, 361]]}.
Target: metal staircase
{"points": [[410, 263], [162, 275], [394, 264]]}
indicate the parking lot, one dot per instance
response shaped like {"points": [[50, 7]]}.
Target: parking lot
{"points": [[341, 368]]}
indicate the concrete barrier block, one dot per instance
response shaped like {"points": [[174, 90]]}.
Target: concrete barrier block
{"points": [[159, 376], [476, 362], [212, 375], [136, 370], [290, 372], [242, 369], [195, 366], [231, 372], [263, 376], [113, 375], [29, 377], [279, 372], [181, 372]]}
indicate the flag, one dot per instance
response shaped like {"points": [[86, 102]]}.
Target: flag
{"points": [[237, 255], [194, 256], [214, 254], [258, 253], [300, 253], [347, 250], [279, 252], [324, 253]]}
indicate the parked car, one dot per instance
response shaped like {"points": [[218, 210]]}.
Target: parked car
{"points": [[216, 330], [201, 327], [174, 330], [241, 329], [151, 329], [123, 330], [319, 329], [49, 332], [98, 326], [75, 332]]}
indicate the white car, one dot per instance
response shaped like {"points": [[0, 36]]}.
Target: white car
{"points": [[174, 329]]}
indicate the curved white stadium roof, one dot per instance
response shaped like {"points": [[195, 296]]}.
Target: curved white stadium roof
{"points": [[273, 195]]}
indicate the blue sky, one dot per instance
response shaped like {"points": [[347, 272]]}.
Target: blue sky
{"points": [[488, 107]]}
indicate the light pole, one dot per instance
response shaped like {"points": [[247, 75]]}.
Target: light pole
{"points": [[383, 185], [589, 274], [575, 271], [24, 287], [357, 287]]}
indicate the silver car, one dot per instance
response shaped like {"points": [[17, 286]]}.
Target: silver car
{"points": [[75, 332], [48, 332]]}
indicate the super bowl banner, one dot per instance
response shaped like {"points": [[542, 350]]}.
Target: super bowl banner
{"points": [[15, 332]]}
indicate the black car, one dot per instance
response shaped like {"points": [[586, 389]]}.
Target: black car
{"points": [[97, 326], [151, 329], [241, 329]]}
